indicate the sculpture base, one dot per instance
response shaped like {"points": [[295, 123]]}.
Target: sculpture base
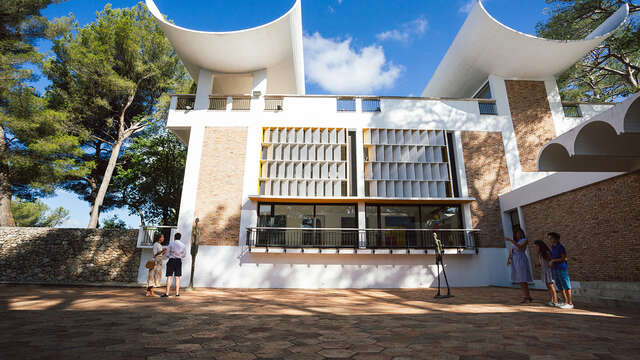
{"points": [[442, 296]]}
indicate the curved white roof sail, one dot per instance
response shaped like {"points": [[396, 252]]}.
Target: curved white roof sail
{"points": [[484, 46], [275, 46]]}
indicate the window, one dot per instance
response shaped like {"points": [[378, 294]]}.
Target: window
{"points": [[413, 217], [346, 104], [572, 111], [302, 216], [441, 217]]}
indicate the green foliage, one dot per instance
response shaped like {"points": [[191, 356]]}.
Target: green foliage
{"points": [[36, 150], [110, 77], [149, 179], [114, 222], [36, 213], [608, 72]]}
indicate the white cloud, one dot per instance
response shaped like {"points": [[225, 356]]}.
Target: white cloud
{"points": [[416, 27], [467, 6], [338, 68]]}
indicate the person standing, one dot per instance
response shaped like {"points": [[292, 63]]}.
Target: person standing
{"points": [[544, 256], [176, 252], [560, 269], [519, 262], [155, 274]]}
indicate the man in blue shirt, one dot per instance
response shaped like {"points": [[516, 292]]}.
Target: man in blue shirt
{"points": [[560, 269]]}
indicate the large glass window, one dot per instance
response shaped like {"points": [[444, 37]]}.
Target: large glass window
{"points": [[400, 217], [336, 216], [413, 217], [372, 217], [441, 217], [307, 216]]}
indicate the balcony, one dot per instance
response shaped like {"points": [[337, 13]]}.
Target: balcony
{"points": [[365, 240]]}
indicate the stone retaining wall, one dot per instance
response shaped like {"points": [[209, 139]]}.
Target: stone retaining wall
{"points": [[68, 255]]}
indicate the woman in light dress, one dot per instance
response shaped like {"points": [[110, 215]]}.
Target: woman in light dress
{"points": [[544, 256], [155, 274], [519, 262]]}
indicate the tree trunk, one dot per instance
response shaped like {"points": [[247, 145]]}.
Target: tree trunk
{"points": [[6, 217], [102, 192], [141, 214]]}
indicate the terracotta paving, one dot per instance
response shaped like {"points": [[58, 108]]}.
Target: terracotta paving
{"points": [[478, 323]]}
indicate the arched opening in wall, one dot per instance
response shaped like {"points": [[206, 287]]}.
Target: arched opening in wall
{"points": [[632, 117]]}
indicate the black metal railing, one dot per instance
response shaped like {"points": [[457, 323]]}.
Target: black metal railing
{"points": [[273, 103], [185, 102], [241, 103], [571, 111], [421, 239], [218, 103], [303, 238], [371, 105], [346, 104], [488, 108], [147, 234]]}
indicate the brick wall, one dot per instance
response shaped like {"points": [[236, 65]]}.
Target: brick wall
{"points": [[599, 225], [532, 121], [68, 255], [487, 177], [219, 198]]}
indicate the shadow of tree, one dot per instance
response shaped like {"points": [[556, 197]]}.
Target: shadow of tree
{"points": [[481, 322]]}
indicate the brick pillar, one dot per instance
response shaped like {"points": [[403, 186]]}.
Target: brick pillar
{"points": [[219, 199], [532, 119]]}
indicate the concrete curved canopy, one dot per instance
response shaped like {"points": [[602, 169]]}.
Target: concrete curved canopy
{"points": [[610, 141], [275, 46], [484, 46]]}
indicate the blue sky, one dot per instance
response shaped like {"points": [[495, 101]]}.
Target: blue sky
{"points": [[396, 45]]}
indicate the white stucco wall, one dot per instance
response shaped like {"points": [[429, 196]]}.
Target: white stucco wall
{"points": [[235, 267]]}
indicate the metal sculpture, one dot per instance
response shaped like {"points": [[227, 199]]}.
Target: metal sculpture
{"points": [[439, 263], [195, 239]]}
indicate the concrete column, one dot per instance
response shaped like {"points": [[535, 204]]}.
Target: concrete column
{"points": [[359, 161], [362, 224], [259, 84], [555, 104], [189, 193], [205, 83]]}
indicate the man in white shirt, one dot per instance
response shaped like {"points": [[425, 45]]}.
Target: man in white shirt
{"points": [[175, 251]]}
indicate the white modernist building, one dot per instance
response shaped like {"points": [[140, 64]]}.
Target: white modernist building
{"points": [[311, 191]]}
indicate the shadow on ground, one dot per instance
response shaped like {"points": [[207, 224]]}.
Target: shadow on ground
{"points": [[479, 323]]}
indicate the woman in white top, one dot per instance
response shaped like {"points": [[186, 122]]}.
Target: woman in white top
{"points": [[155, 274]]}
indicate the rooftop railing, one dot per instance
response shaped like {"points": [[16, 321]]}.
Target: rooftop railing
{"points": [[571, 110], [349, 238], [346, 104], [274, 103], [371, 105], [218, 103], [185, 102], [488, 107], [241, 103]]}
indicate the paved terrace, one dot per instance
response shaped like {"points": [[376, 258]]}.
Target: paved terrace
{"points": [[479, 323]]}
